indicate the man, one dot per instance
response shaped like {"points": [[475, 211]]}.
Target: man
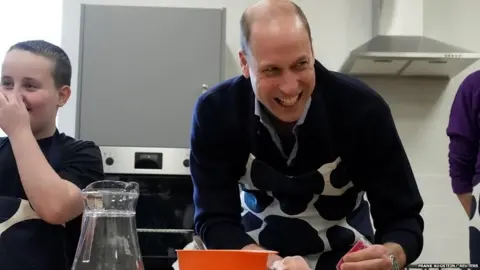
{"points": [[464, 156], [303, 144]]}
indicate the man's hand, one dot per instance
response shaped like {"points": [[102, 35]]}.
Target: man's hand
{"points": [[373, 257], [291, 263], [14, 117], [466, 201], [272, 258]]}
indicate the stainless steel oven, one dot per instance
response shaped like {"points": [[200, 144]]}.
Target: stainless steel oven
{"points": [[165, 208]]}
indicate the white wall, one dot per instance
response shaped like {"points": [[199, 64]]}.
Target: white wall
{"points": [[420, 107]]}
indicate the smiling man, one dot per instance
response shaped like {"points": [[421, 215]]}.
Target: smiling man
{"points": [[283, 155]]}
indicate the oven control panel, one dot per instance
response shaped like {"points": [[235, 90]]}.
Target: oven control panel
{"points": [[140, 160]]}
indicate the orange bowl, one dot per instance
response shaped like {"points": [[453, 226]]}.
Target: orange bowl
{"points": [[216, 259]]}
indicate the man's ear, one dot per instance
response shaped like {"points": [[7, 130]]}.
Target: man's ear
{"points": [[63, 95], [244, 64]]}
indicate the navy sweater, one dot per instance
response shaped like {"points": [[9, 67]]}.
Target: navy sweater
{"points": [[246, 192]]}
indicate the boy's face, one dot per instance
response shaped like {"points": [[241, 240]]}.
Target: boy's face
{"points": [[31, 76]]}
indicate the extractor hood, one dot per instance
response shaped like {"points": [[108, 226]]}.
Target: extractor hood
{"points": [[399, 48]]}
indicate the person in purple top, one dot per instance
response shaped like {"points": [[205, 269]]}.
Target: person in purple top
{"points": [[464, 152]]}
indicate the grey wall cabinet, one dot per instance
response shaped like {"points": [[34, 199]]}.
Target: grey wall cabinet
{"points": [[141, 71]]}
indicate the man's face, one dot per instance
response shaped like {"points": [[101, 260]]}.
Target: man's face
{"points": [[280, 67]]}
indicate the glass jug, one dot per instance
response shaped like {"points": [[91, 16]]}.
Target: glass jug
{"points": [[108, 240]]}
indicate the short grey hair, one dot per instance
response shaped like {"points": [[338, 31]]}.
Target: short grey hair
{"points": [[246, 23]]}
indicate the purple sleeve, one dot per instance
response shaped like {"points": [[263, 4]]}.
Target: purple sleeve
{"points": [[463, 133]]}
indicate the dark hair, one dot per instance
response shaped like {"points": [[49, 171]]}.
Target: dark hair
{"points": [[246, 23], [62, 69]]}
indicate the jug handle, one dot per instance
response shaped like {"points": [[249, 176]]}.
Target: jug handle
{"points": [[90, 231]]}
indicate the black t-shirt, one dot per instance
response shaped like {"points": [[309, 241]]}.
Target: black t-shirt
{"points": [[34, 243]]}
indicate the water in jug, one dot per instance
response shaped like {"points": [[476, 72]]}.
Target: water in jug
{"points": [[108, 240]]}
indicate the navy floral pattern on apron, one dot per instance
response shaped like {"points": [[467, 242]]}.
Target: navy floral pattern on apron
{"points": [[474, 226], [26, 241], [329, 214]]}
